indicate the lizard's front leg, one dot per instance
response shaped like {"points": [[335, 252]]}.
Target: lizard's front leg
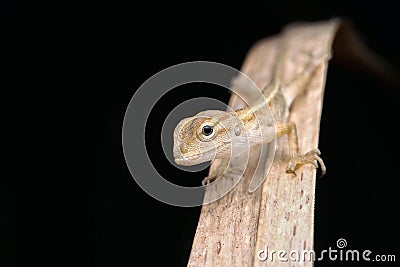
{"points": [[216, 172], [222, 169], [297, 160]]}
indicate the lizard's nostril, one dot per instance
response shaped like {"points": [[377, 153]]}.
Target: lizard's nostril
{"points": [[183, 148]]}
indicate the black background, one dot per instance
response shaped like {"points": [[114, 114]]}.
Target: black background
{"points": [[98, 54]]}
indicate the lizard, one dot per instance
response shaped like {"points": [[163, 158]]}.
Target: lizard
{"points": [[224, 134]]}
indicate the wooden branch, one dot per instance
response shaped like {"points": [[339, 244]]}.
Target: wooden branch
{"points": [[280, 215]]}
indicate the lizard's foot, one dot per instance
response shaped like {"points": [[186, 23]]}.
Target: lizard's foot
{"points": [[208, 180], [212, 177], [311, 157]]}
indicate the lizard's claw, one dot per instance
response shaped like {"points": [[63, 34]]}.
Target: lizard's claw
{"points": [[208, 180], [311, 157]]}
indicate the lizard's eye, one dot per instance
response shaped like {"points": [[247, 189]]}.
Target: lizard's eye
{"points": [[207, 130]]}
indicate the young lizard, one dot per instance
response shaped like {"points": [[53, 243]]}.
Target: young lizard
{"points": [[222, 134]]}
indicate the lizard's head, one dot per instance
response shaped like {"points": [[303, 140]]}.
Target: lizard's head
{"points": [[207, 135]]}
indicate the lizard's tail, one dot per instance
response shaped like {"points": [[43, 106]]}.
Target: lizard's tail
{"points": [[299, 84]]}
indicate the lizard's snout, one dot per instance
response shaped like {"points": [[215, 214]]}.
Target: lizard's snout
{"points": [[183, 156]]}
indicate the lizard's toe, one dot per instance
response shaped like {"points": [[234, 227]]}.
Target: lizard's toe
{"points": [[311, 157], [291, 167], [208, 180]]}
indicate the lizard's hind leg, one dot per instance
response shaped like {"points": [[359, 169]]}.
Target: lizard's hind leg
{"points": [[296, 160]]}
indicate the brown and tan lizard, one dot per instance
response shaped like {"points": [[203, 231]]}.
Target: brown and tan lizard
{"points": [[215, 134]]}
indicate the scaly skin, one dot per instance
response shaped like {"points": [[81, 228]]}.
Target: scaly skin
{"points": [[219, 134]]}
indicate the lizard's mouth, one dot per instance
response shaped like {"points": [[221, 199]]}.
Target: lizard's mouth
{"points": [[190, 159]]}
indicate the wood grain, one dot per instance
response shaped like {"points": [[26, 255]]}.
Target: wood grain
{"points": [[280, 215]]}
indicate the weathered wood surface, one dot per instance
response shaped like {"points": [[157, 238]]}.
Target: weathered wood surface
{"points": [[280, 214]]}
